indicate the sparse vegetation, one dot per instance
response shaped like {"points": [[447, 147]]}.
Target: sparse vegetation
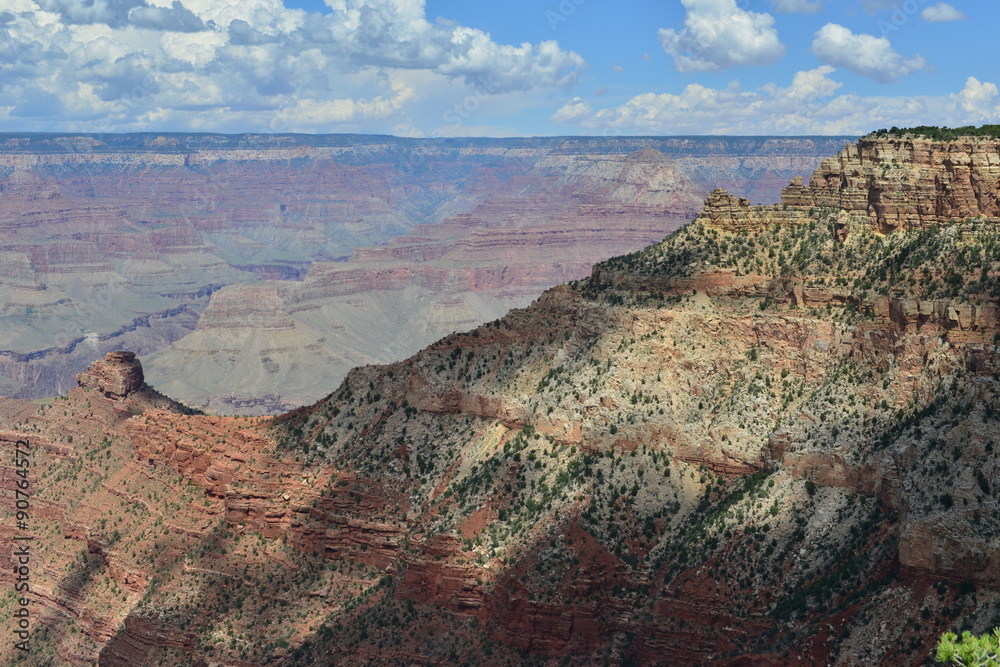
{"points": [[941, 133]]}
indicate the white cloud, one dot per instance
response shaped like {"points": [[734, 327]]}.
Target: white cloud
{"points": [[326, 112], [942, 12], [797, 6], [979, 98], [718, 34], [175, 18], [813, 84], [109, 65], [576, 110], [810, 105], [866, 55]]}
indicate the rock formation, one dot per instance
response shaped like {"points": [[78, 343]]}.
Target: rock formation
{"points": [[116, 376], [888, 183], [911, 182]]}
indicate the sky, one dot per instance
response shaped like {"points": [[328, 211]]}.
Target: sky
{"points": [[432, 68]]}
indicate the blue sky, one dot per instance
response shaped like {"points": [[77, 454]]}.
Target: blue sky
{"points": [[519, 67]]}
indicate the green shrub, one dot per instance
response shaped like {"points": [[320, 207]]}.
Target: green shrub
{"points": [[970, 650]]}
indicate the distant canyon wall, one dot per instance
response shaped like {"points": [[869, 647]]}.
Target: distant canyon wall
{"points": [[118, 242]]}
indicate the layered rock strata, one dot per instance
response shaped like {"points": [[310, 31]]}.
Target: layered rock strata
{"points": [[118, 242], [747, 444]]}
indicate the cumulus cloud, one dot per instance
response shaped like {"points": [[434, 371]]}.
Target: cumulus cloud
{"points": [[813, 84], [177, 18], [942, 12], [810, 105], [23, 57], [797, 6], [718, 34], [74, 12], [866, 55], [979, 98], [241, 34], [576, 110], [105, 65]]}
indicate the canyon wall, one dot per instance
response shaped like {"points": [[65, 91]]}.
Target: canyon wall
{"points": [[118, 242]]}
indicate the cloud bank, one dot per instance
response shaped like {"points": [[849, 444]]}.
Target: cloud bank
{"points": [[810, 105], [204, 64]]}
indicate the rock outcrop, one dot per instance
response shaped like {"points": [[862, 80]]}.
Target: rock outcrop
{"points": [[912, 182], [724, 211], [884, 183], [116, 376]]}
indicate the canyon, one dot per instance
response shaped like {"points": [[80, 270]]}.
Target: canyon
{"points": [[361, 249], [768, 439]]}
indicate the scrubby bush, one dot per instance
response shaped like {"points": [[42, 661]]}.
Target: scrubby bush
{"points": [[970, 650]]}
